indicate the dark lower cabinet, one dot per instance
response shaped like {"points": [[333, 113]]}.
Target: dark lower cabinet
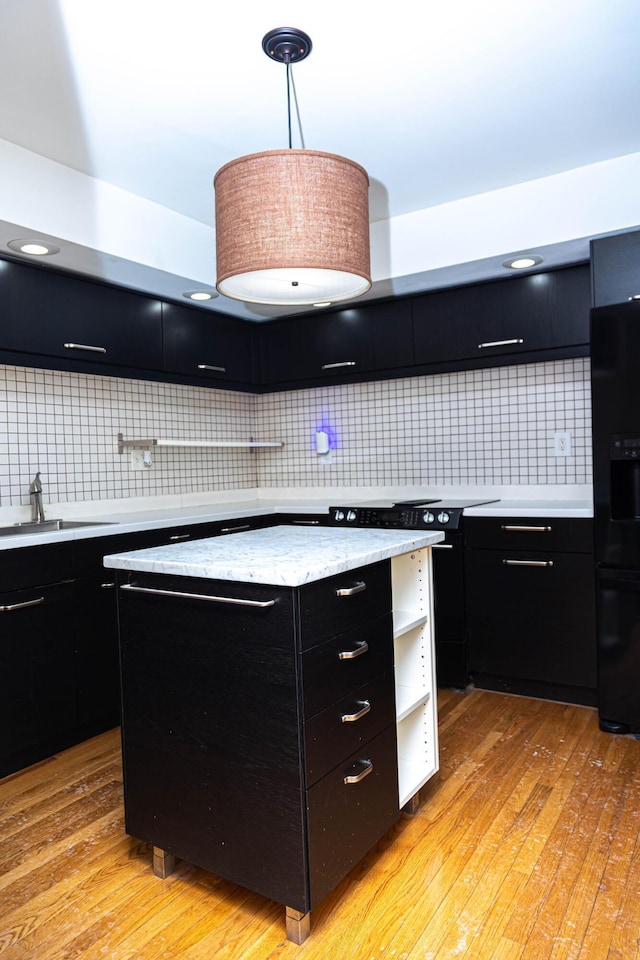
{"points": [[531, 607], [37, 673], [236, 754], [97, 666]]}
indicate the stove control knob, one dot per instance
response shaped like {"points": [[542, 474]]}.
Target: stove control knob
{"points": [[339, 515], [443, 517], [428, 517], [351, 515]]}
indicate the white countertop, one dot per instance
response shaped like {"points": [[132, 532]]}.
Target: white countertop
{"points": [[136, 515], [533, 508], [283, 556]]}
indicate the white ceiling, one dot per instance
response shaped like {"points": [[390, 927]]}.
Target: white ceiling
{"points": [[439, 102]]}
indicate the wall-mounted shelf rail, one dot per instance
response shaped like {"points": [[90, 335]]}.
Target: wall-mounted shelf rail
{"points": [[146, 444]]}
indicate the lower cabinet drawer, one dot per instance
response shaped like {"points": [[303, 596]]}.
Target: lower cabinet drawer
{"points": [[345, 726], [346, 819], [335, 668], [336, 604]]}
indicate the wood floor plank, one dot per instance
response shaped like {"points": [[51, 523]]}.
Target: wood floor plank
{"points": [[526, 845]]}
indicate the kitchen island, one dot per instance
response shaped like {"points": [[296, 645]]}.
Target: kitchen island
{"points": [[278, 698]]}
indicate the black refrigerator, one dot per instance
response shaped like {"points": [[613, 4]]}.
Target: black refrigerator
{"points": [[615, 384]]}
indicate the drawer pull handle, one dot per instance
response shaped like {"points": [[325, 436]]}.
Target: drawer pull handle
{"points": [[361, 648], [357, 777], [196, 596], [442, 546], [499, 343], [107, 586], [180, 536], [352, 717], [351, 591], [516, 528], [84, 346], [8, 608], [244, 526], [528, 563], [210, 366], [341, 363]]}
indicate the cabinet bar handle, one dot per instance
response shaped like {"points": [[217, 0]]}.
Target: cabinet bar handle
{"points": [[351, 591], [442, 546], [528, 563], [515, 528], [361, 647], [499, 343], [84, 346], [180, 536], [209, 366], [356, 778], [21, 606], [341, 363], [244, 526], [352, 717], [197, 596], [107, 586]]}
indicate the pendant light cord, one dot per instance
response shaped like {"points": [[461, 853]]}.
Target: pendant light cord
{"points": [[292, 87]]}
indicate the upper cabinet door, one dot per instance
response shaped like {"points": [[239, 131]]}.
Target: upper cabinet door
{"points": [[518, 315], [339, 346], [208, 346], [58, 315], [615, 269]]}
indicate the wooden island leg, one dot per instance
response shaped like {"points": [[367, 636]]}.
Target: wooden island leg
{"points": [[163, 863], [298, 925]]}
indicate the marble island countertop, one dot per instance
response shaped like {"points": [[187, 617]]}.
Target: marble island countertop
{"points": [[284, 556]]}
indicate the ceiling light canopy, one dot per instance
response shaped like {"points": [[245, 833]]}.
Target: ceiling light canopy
{"points": [[522, 262], [292, 226]]}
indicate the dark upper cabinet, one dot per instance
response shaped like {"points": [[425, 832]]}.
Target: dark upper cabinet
{"points": [[513, 317], [615, 268], [59, 315], [207, 346], [339, 346]]}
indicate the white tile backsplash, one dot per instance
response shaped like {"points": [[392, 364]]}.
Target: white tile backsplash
{"points": [[491, 426]]}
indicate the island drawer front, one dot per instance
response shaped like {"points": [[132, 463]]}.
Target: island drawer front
{"points": [[347, 819], [334, 669], [336, 604], [329, 738], [570, 534]]}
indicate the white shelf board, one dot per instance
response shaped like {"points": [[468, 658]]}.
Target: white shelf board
{"points": [[405, 620], [409, 699]]}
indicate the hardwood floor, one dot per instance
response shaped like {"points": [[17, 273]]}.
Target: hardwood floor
{"points": [[526, 846]]}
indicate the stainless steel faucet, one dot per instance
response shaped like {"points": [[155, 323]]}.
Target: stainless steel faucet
{"points": [[35, 492]]}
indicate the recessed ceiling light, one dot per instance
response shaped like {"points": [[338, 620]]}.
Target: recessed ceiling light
{"points": [[521, 263], [200, 294], [34, 248]]}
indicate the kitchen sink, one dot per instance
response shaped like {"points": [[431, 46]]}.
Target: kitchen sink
{"points": [[46, 526]]}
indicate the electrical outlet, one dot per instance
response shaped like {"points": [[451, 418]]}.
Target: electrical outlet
{"points": [[562, 443]]}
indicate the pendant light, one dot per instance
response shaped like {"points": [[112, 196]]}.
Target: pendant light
{"points": [[292, 226]]}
